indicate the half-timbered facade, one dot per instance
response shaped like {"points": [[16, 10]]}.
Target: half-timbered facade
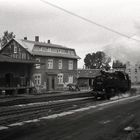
{"points": [[16, 65]]}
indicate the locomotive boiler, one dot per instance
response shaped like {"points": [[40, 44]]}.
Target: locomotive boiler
{"points": [[108, 84]]}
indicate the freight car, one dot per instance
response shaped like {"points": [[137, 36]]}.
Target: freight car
{"points": [[108, 84]]}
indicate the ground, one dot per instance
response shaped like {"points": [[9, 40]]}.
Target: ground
{"points": [[105, 122]]}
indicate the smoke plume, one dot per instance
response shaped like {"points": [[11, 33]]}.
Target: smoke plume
{"points": [[124, 50]]}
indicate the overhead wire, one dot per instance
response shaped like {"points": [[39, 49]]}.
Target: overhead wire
{"points": [[88, 20]]}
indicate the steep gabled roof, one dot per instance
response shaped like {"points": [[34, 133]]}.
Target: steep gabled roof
{"points": [[19, 42], [29, 46]]}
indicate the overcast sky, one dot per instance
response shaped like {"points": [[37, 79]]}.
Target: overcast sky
{"points": [[33, 17]]}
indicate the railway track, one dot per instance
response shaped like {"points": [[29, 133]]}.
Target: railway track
{"points": [[42, 98], [32, 111], [29, 111]]}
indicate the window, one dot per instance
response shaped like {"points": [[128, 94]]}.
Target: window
{"points": [[72, 52], [39, 48], [15, 49], [49, 49], [70, 65], [23, 55], [50, 63], [69, 52], [66, 51], [37, 66], [19, 50], [60, 64], [28, 56], [37, 79], [70, 79], [60, 78], [59, 51]]}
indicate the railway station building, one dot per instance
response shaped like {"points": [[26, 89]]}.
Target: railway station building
{"points": [[60, 64], [46, 66]]}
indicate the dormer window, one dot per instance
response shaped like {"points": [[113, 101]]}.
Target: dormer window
{"points": [[59, 51], [40, 48], [49, 49]]}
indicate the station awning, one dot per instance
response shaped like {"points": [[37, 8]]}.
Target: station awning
{"points": [[8, 59]]}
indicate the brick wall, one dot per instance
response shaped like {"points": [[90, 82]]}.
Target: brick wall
{"points": [[44, 71]]}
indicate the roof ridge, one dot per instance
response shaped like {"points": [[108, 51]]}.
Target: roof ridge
{"points": [[46, 44]]}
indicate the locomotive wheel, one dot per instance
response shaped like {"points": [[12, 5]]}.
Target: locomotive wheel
{"points": [[108, 97], [122, 90], [110, 92]]}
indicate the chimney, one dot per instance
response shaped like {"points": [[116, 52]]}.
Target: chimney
{"points": [[37, 38], [49, 41], [25, 38]]}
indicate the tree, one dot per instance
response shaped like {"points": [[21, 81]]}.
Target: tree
{"points": [[118, 64], [98, 60], [7, 36]]}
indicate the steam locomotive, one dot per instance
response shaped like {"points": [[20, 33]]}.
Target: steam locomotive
{"points": [[108, 84]]}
